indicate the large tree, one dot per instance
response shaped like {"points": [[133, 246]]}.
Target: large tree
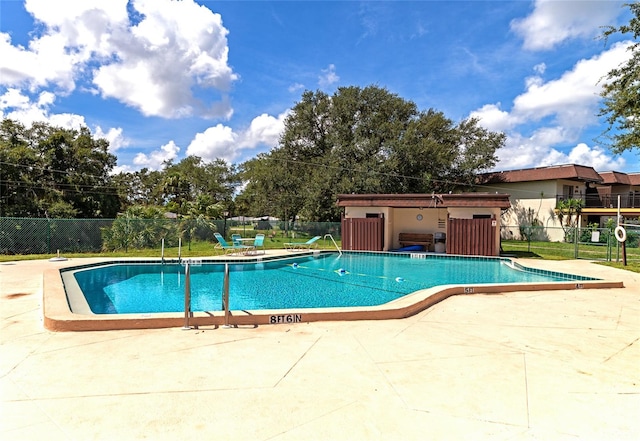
{"points": [[192, 187], [55, 172], [364, 140], [141, 187], [621, 90], [278, 181]]}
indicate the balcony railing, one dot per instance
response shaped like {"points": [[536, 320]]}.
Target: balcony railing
{"points": [[631, 200]]}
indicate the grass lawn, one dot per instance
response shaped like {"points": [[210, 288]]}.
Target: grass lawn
{"points": [[564, 251], [195, 249]]}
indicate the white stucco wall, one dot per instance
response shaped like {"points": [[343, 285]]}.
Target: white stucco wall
{"points": [[539, 196], [406, 220]]}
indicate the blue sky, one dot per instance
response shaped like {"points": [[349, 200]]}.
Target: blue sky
{"points": [[163, 79]]}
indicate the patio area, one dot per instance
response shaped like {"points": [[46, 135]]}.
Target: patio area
{"points": [[553, 365]]}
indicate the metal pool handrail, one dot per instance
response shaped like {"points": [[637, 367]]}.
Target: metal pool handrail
{"points": [[334, 242], [187, 295], [225, 296]]}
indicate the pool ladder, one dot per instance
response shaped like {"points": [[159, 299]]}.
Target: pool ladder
{"points": [[187, 295], [225, 297], [334, 242]]}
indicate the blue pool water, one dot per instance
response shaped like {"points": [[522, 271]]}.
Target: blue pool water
{"points": [[327, 280]]}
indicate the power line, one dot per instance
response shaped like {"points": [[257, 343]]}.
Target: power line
{"points": [[341, 168], [82, 188], [50, 170], [397, 175]]}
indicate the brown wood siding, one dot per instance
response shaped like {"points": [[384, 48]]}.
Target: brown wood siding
{"points": [[471, 237], [363, 234]]}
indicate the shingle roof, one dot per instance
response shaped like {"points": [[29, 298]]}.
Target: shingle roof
{"points": [[613, 178], [571, 172]]}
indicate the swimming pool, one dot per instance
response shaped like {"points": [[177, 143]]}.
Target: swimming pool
{"points": [[65, 308], [321, 281]]}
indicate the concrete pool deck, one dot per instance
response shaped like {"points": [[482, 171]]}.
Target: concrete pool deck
{"points": [[521, 365]]}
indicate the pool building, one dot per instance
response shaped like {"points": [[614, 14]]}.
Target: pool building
{"points": [[461, 224]]}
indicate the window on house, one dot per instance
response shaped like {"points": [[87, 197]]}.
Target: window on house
{"points": [[567, 191]]}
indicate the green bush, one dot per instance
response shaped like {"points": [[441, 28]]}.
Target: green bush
{"points": [[140, 227]]}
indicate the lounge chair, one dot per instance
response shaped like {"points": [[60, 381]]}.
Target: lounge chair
{"points": [[302, 245], [236, 239], [259, 243], [222, 244]]}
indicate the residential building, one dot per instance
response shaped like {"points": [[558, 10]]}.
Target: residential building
{"points": [[536, 192]]}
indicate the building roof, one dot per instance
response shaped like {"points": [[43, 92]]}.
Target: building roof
{"points": [[570, 172], [485, 200], [613, 177], [620, 178]]}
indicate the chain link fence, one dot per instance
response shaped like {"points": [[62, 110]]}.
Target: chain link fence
{"points": [[49, 236], [46, 236], [570, 242]]}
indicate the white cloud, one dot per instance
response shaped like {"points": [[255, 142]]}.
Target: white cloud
{"points": [[152, 63], [13, 98], [19, 107], [155, 159], [527, 152], [560, 110], [176, 47], [223, 142], [67, 121], [296, 87], [574, 97], [215, 142], [72, 34], [328, 76], [264, 129], [55, 16], [114, 136], [552, 22], [493, 118], [20, 67], [540, 68], [522, 152], [594, 156], [121, 169]]}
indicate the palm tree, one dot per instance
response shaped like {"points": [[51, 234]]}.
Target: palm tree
{"points": [[568, 212]]}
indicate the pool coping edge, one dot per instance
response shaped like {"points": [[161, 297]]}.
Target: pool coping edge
{"points": [[57, 314]]}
